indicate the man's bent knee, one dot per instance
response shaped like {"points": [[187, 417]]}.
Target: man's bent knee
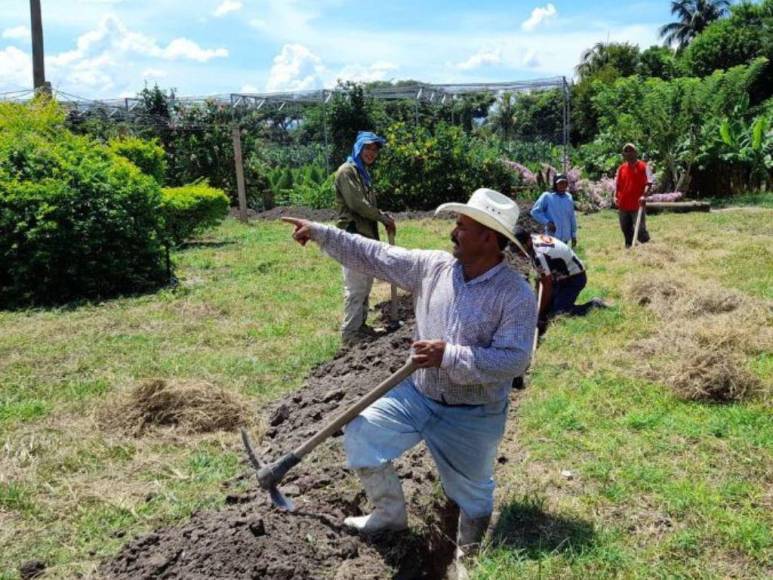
{"points": [[474, 499], [359, 447]]}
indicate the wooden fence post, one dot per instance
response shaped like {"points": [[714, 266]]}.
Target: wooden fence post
{"points": [[239, 173]]}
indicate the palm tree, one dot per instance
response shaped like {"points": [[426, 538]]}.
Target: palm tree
{"points": [[592, 59], [621, 56], [503, 119], [694, 16]]}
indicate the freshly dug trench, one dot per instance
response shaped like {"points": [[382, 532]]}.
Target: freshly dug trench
{"points": [[249, 538]]}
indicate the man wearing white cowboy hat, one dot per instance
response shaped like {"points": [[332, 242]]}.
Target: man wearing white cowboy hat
{"points": [[475, 319]]}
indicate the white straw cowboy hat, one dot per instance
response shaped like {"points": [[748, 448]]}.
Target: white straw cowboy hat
{"points": [[491, 209]]}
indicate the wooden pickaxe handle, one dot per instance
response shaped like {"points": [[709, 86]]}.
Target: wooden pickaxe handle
{"points": [[638, 223], [536, 330], [401, 374]]}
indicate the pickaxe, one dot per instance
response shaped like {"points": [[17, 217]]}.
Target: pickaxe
{"points": [[270, 475]]}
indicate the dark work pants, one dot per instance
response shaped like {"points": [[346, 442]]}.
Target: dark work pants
{"points": [[628, 223], [565, 292]]}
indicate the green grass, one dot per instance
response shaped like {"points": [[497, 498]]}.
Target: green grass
{"points": [[661, 487], [763, 199]]}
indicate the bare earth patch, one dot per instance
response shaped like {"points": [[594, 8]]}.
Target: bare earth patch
{"points": [[250, 538]]}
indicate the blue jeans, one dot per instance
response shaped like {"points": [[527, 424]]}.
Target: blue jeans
{"points": [[462, 440]]}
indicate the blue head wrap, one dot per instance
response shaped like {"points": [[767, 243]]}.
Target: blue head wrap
{"points": [[363, 138]]}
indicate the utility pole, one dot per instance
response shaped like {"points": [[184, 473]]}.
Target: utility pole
{"points": [[241, 191], [38, 66]]}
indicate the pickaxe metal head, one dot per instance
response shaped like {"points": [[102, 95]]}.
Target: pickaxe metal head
{"points": [[270, 475]]}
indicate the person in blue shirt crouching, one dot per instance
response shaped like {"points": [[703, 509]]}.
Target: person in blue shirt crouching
{"points": [[555, 210]]}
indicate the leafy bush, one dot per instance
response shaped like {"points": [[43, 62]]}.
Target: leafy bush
{"points": [[420, 170], [76, 220], [728, 42], [149, 156], [190, 209], [673, 122], [314, 195], [659, 62]]}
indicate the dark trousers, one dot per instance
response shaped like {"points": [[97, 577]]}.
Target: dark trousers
{"points": [[565, 292], [628, 223]]}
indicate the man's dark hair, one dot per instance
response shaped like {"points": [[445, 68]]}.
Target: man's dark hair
{"points": [[502, 241], [522, 235]]}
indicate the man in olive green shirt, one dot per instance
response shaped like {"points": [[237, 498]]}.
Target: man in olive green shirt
{"points": [[358, 214]]}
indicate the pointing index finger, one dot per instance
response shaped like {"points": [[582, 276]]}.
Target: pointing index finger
{"points": [[291, 220]]}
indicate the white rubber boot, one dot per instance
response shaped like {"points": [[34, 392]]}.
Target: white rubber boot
{"points": [[468, 541], [385, 492]]}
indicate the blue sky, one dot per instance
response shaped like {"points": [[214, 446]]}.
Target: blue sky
{"points": [[110, 48]]}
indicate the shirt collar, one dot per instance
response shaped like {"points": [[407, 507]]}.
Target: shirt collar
{"points": [[488, 274]]}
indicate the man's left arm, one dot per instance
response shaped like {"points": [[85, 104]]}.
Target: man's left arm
{"points": [[573, 222], [650, 179], [506, 357]]}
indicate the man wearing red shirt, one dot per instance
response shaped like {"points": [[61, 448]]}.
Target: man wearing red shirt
{"points": [[632, 183]]}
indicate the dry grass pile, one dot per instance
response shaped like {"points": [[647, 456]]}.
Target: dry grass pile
{"points": [[715, 376], [186, 407], [706, 335]]}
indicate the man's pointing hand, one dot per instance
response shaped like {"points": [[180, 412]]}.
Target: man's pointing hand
{"points": [[302, 232]]}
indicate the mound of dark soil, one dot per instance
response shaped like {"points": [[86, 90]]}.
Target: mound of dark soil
{"points": [[306, 213], [326, 215]]}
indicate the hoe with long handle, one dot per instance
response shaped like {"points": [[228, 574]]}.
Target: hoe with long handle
{"points": [[270, 475], [638, 223]]}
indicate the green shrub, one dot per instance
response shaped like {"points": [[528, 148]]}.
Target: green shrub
{"points": [[317, 196], [420, 170], [190, 209], [149, 156], [728, 42], [285, 180], [76, 220]]}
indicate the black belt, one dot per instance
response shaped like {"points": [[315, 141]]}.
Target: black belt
{"points": [[443, 402]]}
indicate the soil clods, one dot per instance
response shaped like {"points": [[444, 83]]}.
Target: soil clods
{"points": [[249, 538]]}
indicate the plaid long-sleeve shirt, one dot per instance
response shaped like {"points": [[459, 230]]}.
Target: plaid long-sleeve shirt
{"points": [[487, 322]]}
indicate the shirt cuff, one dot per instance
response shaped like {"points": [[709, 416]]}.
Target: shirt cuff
{"points": [[319, 233], [449, 356]]}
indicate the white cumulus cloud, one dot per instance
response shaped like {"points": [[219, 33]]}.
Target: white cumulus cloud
{"points": [[539, 15], [480, 58], [378, 71], [108, 58], [295, 68], [16, 68], [112, 37], [17, 33], [184, 48], [226, 7]]}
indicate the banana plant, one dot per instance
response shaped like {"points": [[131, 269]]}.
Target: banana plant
{"points": [[736, 142], [751, 145]]}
